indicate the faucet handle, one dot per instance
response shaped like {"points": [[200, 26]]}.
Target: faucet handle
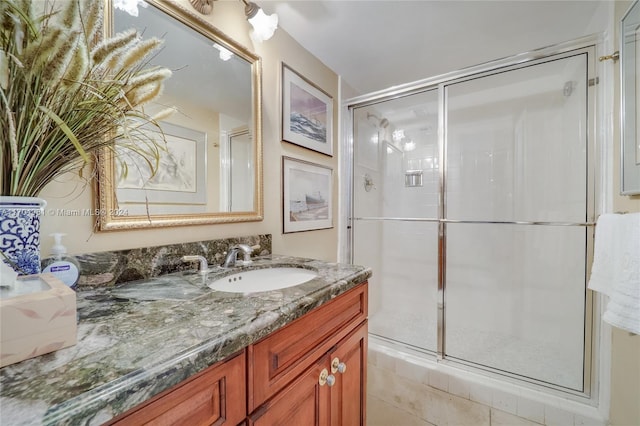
{"points": [[231, 256], [246, 250], [203, 268]]}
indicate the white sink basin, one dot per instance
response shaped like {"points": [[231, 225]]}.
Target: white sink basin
{"points": [[262, 280]]}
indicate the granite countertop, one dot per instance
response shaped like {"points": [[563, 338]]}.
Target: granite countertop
{"points": [[130, 349]]}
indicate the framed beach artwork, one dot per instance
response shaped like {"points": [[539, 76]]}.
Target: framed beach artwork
{"points": [[307, 196], [307, 113], [181, 175]]}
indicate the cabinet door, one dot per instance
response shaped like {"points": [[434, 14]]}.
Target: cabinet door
{"points": [[281, 357], [303, 403], [348, 394], [215, 397]]}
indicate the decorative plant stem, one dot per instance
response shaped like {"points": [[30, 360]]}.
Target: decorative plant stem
{"points": [[65, 97]]}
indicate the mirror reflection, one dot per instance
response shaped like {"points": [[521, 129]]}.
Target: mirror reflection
{"points": [[211, 168]]}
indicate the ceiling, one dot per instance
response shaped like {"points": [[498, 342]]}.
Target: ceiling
{"points": [[376, 44]]}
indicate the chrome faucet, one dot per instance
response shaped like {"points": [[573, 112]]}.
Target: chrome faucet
{"points": [[204, 266], [231, 258]]}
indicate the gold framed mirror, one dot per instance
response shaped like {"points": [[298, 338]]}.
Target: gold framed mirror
{"points": [[216, 90]]}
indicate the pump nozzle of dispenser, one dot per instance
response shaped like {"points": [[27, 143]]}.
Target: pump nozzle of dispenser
{"points": [[62, 266], [58, 250]]}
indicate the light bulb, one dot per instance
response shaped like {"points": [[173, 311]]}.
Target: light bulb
{"points": [[129, 6], [398, 135], [263, 25], [225, 54]]}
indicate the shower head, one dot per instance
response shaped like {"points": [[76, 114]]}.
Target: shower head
{"points": [[380, 122]]}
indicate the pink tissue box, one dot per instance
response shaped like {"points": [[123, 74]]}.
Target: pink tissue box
{"points": [[36, 318]]}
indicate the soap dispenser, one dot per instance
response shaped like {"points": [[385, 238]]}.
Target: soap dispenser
{"points": [[63, 267]]}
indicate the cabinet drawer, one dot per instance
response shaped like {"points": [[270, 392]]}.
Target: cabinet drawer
{"points": [[279, 358], [216, 396]]}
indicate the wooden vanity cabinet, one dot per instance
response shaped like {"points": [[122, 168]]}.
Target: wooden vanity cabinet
{"points": [[214, 397], [308, 400], [277, 381], [284, 369]]}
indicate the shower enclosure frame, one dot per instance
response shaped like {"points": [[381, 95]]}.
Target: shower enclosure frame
{"points": [[594, 189]]}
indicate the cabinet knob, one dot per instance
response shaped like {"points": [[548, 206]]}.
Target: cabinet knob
{"points": [[326, 378], [331, 380], [337, 366]]}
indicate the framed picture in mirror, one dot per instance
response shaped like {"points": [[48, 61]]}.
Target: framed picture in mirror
{"points": [[307, 113], [181, 176]]}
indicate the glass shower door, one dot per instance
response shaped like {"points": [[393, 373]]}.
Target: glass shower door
{"points": [[395, 212], [480, 256], [515, 196]]}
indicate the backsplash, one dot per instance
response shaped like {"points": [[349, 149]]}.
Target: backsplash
{"points": [[114, 267]]}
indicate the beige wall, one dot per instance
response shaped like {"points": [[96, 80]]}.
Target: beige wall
{"points": [[228, 16], [625, 349]]}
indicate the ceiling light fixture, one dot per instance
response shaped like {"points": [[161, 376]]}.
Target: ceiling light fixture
{"points": [[263, 25], [129, 6], [203, 6], [398, 135], [409, 145]]}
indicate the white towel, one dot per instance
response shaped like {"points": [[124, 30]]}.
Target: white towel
{"points": [[616, 268]]}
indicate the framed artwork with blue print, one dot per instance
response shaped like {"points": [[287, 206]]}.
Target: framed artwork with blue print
{"points": [[307, 113]]}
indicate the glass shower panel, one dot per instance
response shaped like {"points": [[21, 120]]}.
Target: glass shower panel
{"points": [[395, 211], [395, 158], [403, 287], [516, 151], [515, 299], [504, 224], [517, 145]]}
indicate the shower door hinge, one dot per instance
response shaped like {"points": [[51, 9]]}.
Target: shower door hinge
{"points": [[594, 81]]}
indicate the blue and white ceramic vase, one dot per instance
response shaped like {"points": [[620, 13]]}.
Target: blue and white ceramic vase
{"points": [[20, 232]]}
